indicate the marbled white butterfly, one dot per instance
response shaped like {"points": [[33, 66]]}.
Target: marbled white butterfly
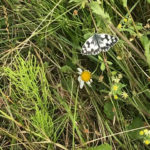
{"points": [[97, 43]]}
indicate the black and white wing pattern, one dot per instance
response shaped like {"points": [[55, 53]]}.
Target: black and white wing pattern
{"points": [[97, 43]]}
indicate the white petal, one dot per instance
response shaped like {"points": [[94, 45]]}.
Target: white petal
{"points": [[81, 84], [91, 80], [80, 70], [89, 83], [79, 78]]}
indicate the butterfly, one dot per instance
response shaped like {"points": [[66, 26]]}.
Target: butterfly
{"points": [[97, 43]]}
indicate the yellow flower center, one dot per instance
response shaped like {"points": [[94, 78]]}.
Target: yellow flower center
{"points": [[141, 132], [119, 26], [146, 131], [124, 95], [119, 58], [115, 97], [115, 87], [86, 76], [147, 142], [125, 20]]}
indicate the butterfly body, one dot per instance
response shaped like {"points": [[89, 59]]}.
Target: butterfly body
{"points": [[97, 43]]}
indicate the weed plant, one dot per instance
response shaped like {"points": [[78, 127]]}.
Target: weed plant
{"points": [[41, 103]]}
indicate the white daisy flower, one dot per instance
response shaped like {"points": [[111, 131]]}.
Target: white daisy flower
{"points": [[85, 77]]}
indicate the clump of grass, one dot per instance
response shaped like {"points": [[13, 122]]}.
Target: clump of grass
{"points": [[42, 106]]}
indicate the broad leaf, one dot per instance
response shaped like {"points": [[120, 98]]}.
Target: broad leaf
{"points": [[97, 9], [101, 147], [146, 44]]}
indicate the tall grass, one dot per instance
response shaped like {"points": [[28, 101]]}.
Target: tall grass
{"points": [[41, 104]]}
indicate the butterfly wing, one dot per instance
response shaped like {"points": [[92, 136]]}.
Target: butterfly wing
{"points": [[90, 47], [97, 43]]}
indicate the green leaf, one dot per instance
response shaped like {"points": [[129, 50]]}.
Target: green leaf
{"points": [[119, 90], [101, 147], [112, 1], [100, 58], [124, 3], [102, 66], [108, 110], [67, 84], [139, 26], [66, 69], [148, 1], [109, 62], [114, 73], [136, 123], [80, 2], [129, 29], [42, 120], [76, 1], [97, 9], [146, 44], [87, 35]]}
